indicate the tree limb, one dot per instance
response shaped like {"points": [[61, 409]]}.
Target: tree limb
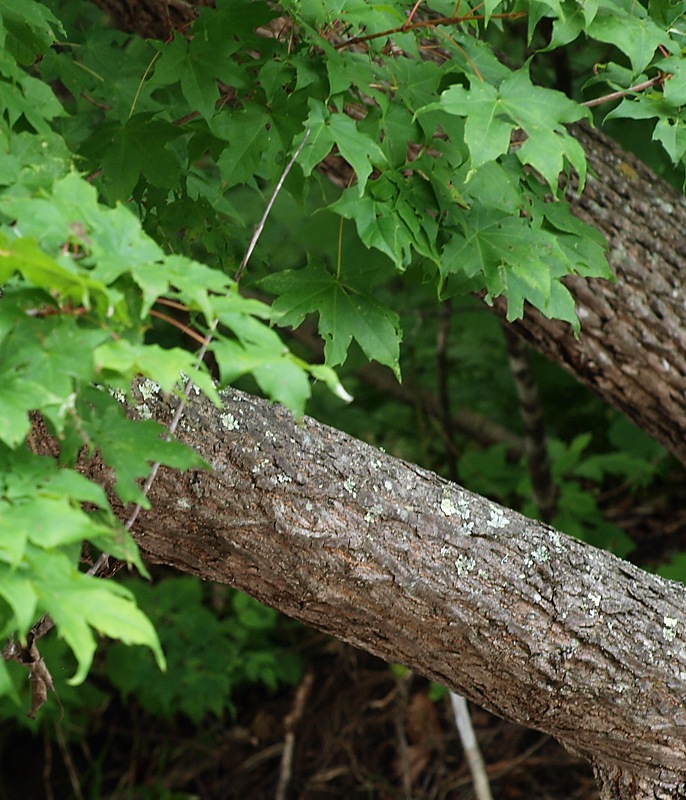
{"points": [[632, 347], [531, 624]]}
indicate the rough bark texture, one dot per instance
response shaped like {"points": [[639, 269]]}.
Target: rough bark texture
{"points": [[632, 347], [154, 19], [527, 622]]}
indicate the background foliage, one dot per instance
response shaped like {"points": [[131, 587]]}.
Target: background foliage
{"points": [[133, 174]]}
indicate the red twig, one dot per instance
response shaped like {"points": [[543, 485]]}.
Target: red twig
{"points": [[428, 23]]}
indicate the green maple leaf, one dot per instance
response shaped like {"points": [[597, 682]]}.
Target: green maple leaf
{"points": [[345, 313], [522, 262], [488, 128], [631, 30], [78, 603], [392, 224], [360, 150], [492, 114], [134, 148], [542, 114], [493, 239], [246, 132]]}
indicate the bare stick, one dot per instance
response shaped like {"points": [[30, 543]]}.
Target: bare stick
{"points": [[598, 101], [463, 722], [99, 565], [260, 224], [46, 623], [290, 723]]}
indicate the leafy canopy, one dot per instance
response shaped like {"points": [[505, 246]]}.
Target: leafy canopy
{"points": [[134, 172]]}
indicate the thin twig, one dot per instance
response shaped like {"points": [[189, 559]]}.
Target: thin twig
{"points": [[427, 23], [598, 101], [104, 557], [260, 224], [412, 13], [463, 722], [198, 337], [69, 763], [171, 430], [290, 724]]}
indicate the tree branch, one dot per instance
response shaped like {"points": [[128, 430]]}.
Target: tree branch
{"points": [[632, 347], [531, 624]]}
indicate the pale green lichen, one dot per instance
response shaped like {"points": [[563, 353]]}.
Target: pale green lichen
{"points": [[463, 506], [464, 565], [447, 506], [669, 629], [349, 486], [453, 503], [118, 395], [229, 422], [497, 519], [540, 555], [183, 502], [556, 539], [592, 605], [148, 389]]}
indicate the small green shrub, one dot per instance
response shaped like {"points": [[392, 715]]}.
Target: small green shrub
{"points": [[208, 656]]}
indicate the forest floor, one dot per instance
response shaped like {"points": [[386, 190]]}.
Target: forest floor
{"points": [[352, 728]]}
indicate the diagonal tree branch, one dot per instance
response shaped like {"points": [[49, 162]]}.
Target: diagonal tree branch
{"points": [[530, 624], [632, 347]]}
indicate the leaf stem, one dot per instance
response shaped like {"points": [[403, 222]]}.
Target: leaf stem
{"points": [[142, 81]]}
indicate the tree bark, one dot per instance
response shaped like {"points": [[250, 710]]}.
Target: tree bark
{"points": [[535, 626], [632, 346]]}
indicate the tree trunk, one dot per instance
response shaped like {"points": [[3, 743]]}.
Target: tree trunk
{"points": [[632, 346], [535, 626]]}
